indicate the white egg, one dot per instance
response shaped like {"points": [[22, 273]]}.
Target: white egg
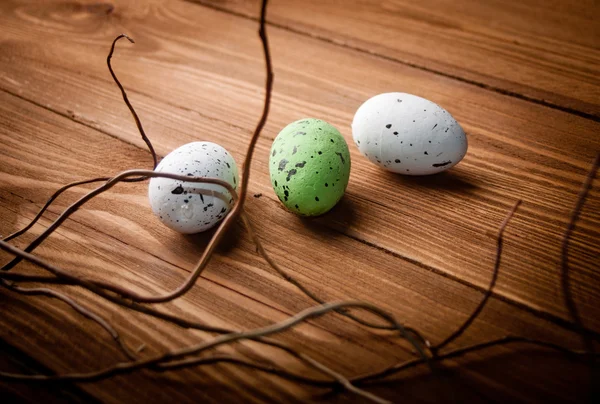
{"points": [[189, 207], [407, 134]]}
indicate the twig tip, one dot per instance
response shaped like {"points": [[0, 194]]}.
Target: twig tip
{"points": [[130, 39]]}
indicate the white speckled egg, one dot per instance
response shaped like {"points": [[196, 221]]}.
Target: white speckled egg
{"points": [[189, 207], [407, 134]]}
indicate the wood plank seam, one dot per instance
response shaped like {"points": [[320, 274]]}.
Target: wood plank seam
{"points": [[475, 83]]}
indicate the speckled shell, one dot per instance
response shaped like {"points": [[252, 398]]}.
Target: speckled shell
{"points": [[407, 134], [189, 207], [309, 166]]}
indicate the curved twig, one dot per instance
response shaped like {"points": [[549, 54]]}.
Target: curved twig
{"points": [[223, 226], [126, 99], [78, 308], [313, 312], [261, 250], [465, 350], [488, 292], [565, 279], [55, 195]]}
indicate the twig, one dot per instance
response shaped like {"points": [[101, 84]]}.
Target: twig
{"points": [[127, 367], [565, 279], [266, 368], [266, 105], [78, 308], [488, 292], [406, 330], [49, 202], [100, 179], [464, 350], [56, 195], [150, 174], [126, 99], [180, 358]]}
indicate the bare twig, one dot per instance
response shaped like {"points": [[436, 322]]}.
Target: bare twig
{"points": [[56, 195], [126, 99], [49, 202], [262, 32], [127, 367], [100, 179], [407, 332], [182, 358], [577, 355], [151, 174], [565, 279], [78, 308], [488, 292]]}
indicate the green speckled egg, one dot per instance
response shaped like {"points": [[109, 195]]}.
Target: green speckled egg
{"points": [[309, 166]]}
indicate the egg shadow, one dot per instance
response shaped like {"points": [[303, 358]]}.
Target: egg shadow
{"points": [[198, 242], [450, 180], [339, 218]]}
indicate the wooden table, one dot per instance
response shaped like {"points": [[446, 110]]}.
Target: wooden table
{"points": [[522, 78]]}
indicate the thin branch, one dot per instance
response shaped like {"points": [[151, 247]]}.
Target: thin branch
{"points": [[78, 308], [182, 289], [266, 368], [262, 32], [77, 183], [127, 367], [406, 331], [126, 99], [155, 313], [488, 292], [56, 195], [565, 279], [16, 277], [576, 355]]}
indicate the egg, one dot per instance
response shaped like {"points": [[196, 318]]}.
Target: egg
{"points": [[192, 207], [407, 134], [309, 166]]}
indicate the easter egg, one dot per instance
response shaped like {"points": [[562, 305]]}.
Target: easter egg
{"points": [[407, 134], [309, 166], [192, 207]]}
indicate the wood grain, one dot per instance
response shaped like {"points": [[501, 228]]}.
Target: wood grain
{"points": [[418, 247], [517, 150], [237, 292], [545, 52]]}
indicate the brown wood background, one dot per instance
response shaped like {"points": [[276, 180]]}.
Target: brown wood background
{"points": [[522, 78]]}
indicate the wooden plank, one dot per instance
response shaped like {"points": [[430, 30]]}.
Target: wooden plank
{"points": [[11, 360], [204, 81], [116, 238], [547, 52]]}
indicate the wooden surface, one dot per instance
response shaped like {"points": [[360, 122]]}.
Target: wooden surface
{"points": [[522, 80]]}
